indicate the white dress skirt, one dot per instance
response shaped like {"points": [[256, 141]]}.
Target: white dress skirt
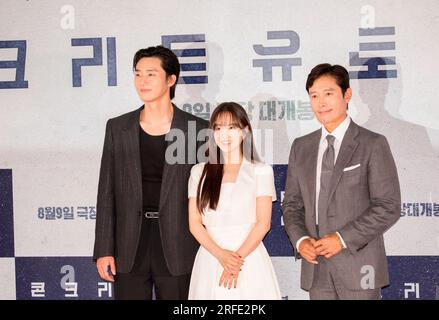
{"points": [[229, 226]]}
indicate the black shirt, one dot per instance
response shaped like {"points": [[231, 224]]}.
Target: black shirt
{"points": [[152, 156]]}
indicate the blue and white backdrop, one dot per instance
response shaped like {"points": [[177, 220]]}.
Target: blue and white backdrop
{"points": [[65, 68]]}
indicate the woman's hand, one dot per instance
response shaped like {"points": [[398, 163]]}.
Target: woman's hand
{"points": [[230, 261], [228, 280]]}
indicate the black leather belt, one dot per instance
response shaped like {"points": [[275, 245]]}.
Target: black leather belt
{"points": [[151, 215]]}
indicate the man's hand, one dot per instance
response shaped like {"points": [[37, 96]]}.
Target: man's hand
{"points": [[102, 265], [307, 250], [328, 246]]}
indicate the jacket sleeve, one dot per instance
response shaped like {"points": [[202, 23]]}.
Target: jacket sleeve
{"points": [[385, 199], [105, 208], [293, 206]]}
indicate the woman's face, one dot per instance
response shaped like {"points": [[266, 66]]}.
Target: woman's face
{"points": [[227, 133]]}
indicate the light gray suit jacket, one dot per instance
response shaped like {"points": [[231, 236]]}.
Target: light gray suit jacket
{"points": [[363, 203]]}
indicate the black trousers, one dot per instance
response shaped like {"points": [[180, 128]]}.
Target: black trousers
{"points": [[150, 271]]}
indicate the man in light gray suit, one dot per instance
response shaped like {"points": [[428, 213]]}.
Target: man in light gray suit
{"points": [[342, 193]]}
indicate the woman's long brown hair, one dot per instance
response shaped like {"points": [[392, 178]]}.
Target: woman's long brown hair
{"points": [[209, 187]]}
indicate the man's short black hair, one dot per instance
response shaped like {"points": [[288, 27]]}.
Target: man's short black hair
{"points": [[339, 73], [169, 62]]}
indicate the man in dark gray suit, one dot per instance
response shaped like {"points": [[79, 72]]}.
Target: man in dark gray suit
{"points": [[142, 229], [342, 193]]}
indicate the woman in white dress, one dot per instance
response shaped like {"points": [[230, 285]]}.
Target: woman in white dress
{"points": [[230, 201]]}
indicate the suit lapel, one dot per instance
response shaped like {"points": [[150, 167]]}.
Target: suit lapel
{"points": [[347, 149], [132, 146], [169, 171]]}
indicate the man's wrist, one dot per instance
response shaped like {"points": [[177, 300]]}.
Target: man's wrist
{"points": [[340, 240], [300, 241]]}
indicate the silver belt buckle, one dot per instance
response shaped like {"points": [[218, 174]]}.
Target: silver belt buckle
{"points": [[151, 215]]}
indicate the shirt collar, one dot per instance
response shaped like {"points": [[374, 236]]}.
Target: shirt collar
{"points": [[339, 132]]}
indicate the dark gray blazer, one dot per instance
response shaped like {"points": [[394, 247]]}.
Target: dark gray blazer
{"points": [[363, 203], [119, 202]]}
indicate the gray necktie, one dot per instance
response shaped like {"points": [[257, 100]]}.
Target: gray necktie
{"points": [[325, 178]]}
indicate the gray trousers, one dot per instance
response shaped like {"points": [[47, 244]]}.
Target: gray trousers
{"points": [[327, 286]]}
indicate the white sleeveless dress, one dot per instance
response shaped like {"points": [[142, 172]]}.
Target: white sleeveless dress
{"points": [[229, 226]]}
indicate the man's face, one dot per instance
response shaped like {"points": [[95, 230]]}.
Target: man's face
{"points": [[151, 81], [328, 103]]}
